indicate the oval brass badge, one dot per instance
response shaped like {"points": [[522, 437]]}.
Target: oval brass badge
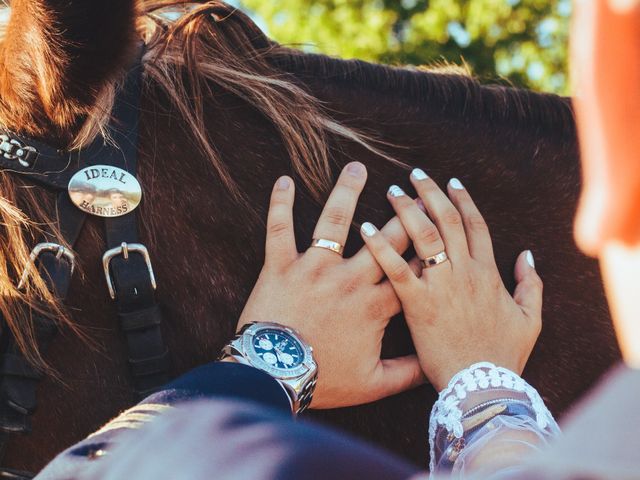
{"points": [[105, 191]]}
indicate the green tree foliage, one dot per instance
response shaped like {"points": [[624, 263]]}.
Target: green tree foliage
{"points": [[521, 41]]}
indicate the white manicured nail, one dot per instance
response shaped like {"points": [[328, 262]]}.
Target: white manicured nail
{"points": [[456, 184], [368, 229], [530, 260], [395, 191], [419, 174]]}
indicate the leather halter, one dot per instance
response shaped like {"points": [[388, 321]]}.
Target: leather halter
{"points": [[126, 263]]}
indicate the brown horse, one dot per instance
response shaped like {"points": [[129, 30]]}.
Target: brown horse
{"points": [[225, 111]]}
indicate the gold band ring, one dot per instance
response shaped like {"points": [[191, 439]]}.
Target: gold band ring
{"points": [[434, 260], [328, 245]]}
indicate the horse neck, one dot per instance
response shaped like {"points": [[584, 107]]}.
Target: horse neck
{"points": [[56, 59]]}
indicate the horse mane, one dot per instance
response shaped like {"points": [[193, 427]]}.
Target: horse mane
{"points": [[195, 49], [451, 89]]}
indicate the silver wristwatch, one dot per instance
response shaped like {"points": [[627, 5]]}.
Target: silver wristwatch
{"points": [[280, 352]]}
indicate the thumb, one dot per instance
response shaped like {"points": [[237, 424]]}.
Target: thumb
{"points": [[399, 374], [528, 292]]}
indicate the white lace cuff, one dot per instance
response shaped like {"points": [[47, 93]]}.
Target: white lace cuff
{"points": [[479, 386]]}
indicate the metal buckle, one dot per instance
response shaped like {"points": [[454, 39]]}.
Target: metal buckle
{"points": [[13, 149], [47, 247], [124, 249]]}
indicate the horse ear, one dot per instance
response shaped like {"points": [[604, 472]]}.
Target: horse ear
{"points": [[606, 72]]}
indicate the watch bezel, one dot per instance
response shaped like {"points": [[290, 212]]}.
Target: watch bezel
{"points": [[249, 351]]}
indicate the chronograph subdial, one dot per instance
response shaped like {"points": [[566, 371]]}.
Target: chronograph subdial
{"points": [[278, 349]]}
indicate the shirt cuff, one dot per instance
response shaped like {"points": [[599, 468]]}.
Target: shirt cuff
{"points": [[224, 380]]}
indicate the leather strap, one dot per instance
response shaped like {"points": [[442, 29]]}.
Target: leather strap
{"points": [[11, 474], [17, 366], [18, 391], [140, 316], [44, 164], [18, 378], [140, 319]]}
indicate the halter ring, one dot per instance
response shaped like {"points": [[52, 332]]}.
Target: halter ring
{"points": [[328, 245], [434, 260]]}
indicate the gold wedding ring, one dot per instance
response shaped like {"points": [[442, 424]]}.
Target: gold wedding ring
{"points": [[328, 245], [434, 260]]}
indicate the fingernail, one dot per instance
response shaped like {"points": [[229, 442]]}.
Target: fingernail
{"points": [[283, 184], [368, 229], [419, 174], [356, 169], [530, 260], [456, 184], [395, 191]]}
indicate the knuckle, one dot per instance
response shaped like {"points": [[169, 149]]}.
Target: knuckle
{"points": [[278, 228], [532, 279], [279, 200], [476, 222], [399, 273], [394, 242], [451, 217], [398, 244], [536, 282], [428, 234], [337, 216]]}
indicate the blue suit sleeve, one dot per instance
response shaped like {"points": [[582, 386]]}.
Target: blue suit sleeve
{"points": [[227, 381], [218, 381]]}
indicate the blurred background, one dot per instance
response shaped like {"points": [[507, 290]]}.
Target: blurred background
{"points": [[518, 42]]}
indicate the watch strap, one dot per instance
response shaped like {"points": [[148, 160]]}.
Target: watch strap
{"points": [[306, 395]]}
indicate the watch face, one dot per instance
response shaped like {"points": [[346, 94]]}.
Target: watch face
{"points": [[278, 349]]}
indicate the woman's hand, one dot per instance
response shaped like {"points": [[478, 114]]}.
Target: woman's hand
{"points": [[459, 311], [340, 307]]}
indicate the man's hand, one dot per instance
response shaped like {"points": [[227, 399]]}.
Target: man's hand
{"points": [[340, 306]]}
